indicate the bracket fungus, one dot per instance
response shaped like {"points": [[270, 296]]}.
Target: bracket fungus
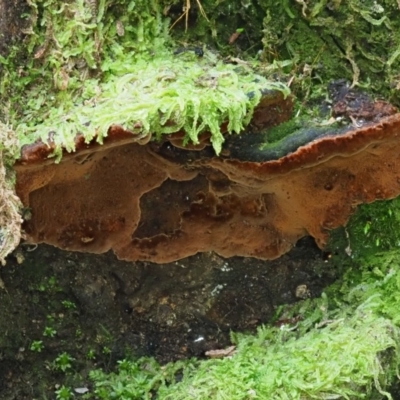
{"points": [[159, 202]]}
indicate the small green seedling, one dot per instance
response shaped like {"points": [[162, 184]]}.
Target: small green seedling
{"points": [[49, 331], [91, 354], [69, 305], [63, 362], [37, 346], [64, 393]]}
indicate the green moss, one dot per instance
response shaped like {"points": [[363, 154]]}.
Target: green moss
{"points": [[77, 47], [224, 18], [373, 227], [274, 366], [357, 40], [164, 94], [102, 63], [344, 347], [77, 50], [281, 131]]}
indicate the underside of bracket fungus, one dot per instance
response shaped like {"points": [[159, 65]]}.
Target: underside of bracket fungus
{"points": [[160, 202]]}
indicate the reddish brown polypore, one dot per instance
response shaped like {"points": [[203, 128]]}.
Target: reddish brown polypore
{"points": [[159, 203]]}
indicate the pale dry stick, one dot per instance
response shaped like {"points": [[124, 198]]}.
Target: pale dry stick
{"points": [[186, 14]]}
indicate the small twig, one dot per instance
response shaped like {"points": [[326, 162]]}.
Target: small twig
{"points": [[186, 14]]}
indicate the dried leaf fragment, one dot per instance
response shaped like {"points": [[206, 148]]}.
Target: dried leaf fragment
{"points": [[221, 353]]}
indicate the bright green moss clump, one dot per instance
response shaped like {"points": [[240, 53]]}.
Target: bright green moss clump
{"points": [[164, 94], [95, 64], [344, 347], [373, 227]]}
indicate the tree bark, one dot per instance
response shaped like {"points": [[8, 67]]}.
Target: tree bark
{"points": [[13, 24]]}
